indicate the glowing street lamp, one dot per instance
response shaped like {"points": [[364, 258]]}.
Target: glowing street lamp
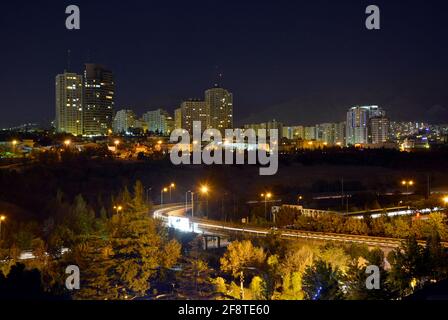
{"points": [[407, 184], [14, 144], [116, 143], [164, 190], [118, 209], [266, 196], [67, 143], [2, 218], [172, 186], [445, 200], [205, 191]]}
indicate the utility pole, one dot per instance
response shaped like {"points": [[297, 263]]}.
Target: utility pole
{"points": [[148, 190], [192, 202], [242, 285]]}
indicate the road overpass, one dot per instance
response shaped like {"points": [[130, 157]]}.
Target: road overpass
{"points": [[171, 214]]}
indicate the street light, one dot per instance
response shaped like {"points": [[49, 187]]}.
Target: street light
{"points": [[148, 190], [172, 186], [116, 143], [118, 209], [192, 202], [445, 200], [164, 190], [14, 144], [205, 190], [407, 183], [266, 196], [67, 143], [2, 218]]}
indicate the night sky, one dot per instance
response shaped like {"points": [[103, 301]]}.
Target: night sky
{"points": [[301, 62]]}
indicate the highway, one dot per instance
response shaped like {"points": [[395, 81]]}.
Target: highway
{"points": [[175, 217]]}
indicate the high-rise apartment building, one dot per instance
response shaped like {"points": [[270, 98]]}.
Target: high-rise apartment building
{"points": [[309, 133], [340, 133], [194, 110], [159, 121], [69, 103], [219, 104], [270, 125], [326, 132], [299, 132], [379, 127], [178, 118], [99, 99], [358, 123], [124, 121]]}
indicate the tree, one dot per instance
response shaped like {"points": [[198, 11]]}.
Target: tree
{"points": [[138, 202], [138, 247], [123, 264], [322, 282], [241, 255], [125, 197], [401, 228], [335, 256], [356, 226], [286, 216], [435, 257], [170, 254], [356, 278], [220, 285], [39, 250], [95, 259], [258, 288], [437, 225], [82, 217], [407, 266]]}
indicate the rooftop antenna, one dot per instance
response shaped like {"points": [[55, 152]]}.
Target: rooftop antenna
{"points": [[68, 60], [219, 77]]}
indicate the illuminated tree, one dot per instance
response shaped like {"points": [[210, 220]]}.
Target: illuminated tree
{"points": [[322, 282], [241, 255], [407, 266]]}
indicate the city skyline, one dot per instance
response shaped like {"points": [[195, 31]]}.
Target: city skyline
{"points": [[253, 153], [280, 61]]}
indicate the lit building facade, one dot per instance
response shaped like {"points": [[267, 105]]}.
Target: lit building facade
{"points": [[178, 118], [326, 133], [358, 122], [194, 110], [219, 104], [124, 121], [99, 99], [379, 127], [159, 121], [309, 133], [69, 103]]}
